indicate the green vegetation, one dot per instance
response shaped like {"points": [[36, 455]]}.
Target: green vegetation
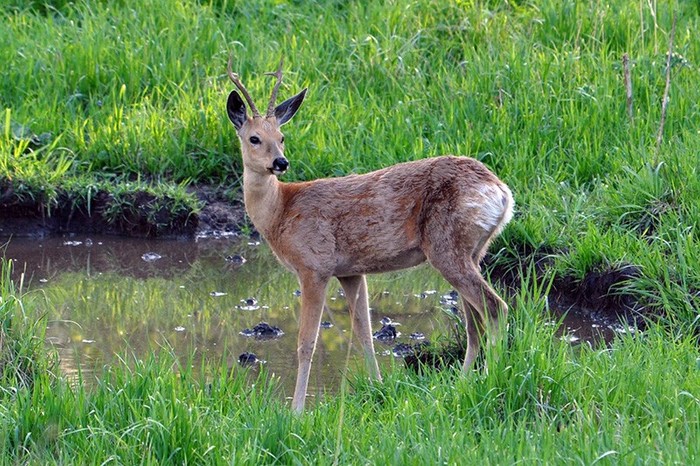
{"points": [[543, 401], [22, 357], [114, 96], [110, 97]]}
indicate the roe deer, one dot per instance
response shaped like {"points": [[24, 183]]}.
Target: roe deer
{"points": [[444, 210]]}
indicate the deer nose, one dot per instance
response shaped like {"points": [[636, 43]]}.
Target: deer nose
{"points": [[280, 164]]}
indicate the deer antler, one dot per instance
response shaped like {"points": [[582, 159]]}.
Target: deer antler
{"points": [[273, 97], [236, 80]]}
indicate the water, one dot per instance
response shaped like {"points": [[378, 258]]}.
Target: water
{"points": [[107, 297]]}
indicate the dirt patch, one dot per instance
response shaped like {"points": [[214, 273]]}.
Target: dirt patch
{"points": [[601, 294], [220, 215]]}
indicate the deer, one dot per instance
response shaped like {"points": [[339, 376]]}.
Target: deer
{"points": [[444, 210]]}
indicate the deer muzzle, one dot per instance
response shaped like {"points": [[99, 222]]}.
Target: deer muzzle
{"points": [[279, 166]]}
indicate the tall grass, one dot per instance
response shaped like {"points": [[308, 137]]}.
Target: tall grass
{"points": [[22, 357], [542, 401], [101, 94]]}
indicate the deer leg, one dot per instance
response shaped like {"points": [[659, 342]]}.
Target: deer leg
{"points": [[482, 306], [474, 329], [313, 293], [356, 294], [477, 292]]}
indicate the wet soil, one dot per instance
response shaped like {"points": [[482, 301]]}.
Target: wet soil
{"points": [[598, 297], [139, 214], [220, 215]]}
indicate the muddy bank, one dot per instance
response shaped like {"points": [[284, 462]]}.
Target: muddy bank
{"points": [[599, 296], [133, 214]]}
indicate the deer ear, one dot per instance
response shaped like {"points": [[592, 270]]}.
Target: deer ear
{"points": [[286, 110], [236, 110]]}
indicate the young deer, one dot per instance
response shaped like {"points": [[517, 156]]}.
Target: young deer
{"points": [[444, 210]]}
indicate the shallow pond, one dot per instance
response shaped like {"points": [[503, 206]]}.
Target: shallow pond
{"points": [[107, 297]]}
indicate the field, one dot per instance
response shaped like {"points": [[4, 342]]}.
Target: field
{"points": [[119, 97]]}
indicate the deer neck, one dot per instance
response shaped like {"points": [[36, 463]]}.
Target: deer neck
{"points": [[262, 195]]}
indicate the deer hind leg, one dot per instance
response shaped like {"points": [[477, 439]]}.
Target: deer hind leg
{"points": [[313, 294], [356, 294], [496, 308], [491, 307], [483, 308], [475, 329]]}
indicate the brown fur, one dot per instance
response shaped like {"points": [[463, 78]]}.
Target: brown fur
{"points": [[444, 210]]}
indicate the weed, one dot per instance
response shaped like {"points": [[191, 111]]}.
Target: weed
{"points": [[22, 354]]}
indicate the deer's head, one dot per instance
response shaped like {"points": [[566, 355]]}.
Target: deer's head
{"points": [[262, 142]]}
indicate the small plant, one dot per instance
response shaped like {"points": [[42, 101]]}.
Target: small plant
{"points": [[22, 352], [33, 165]]}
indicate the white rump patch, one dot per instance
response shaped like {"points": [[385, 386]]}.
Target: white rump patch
{"points": [[491, 206]]}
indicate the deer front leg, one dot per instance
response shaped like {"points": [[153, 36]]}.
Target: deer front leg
{"points": [[356, 294], [313, 293]]}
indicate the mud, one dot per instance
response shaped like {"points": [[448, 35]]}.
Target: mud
{"points": [[601, 296], [386, 333], [248, 359], [262, 331], [220, 215], [138, 214]]}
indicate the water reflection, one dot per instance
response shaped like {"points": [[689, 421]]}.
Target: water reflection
{"points": [[107, 297]]}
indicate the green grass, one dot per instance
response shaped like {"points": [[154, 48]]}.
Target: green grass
{"points": [[100, 94], [109, 96], [634, 402], [22, 356]]}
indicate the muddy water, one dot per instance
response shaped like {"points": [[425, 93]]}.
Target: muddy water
{"points": [[107, 297]]}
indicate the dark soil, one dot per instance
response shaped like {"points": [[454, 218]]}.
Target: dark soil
{"points": [[386, 333], [263, 331], [219, 215], [137, 214], [600, 294]]}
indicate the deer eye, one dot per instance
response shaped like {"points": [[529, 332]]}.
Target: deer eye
{"points": [[254, 140], [282, 140]]}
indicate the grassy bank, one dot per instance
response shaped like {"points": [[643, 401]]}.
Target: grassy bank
{"points": [[542, 401], [114, 97]]}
